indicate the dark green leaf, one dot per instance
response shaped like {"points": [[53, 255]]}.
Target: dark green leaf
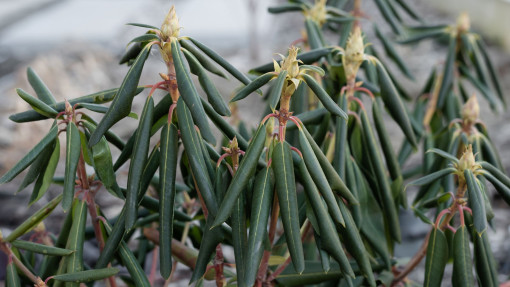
{"points": [[437, 256], [323, 96], [385, 141], [492, 71], [97, 98], [253, 86], [286, 191], [476, 202], [213, 95], [432, 177], [204, 61], [167, 172], [38, 105], [138, 161], [46, 176], [261, 205], [462, 262], [287, 7], [485, 264], [41, 248], [121, 105], [222, 62], [313, 34], [87, 276], [319, 178], [329, 239], [189, 93], [145, 38], [387, 201], [389, 16], [276, 91], [392, 53], [193, 148], [448, 71], [73, 152], [77, 237], [503, 190], [394, 104], [245, 171], [41, 90], [142, 25], [12, 276]]}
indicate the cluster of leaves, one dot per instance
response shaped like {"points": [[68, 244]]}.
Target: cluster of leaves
{"points": [[314, 163]]}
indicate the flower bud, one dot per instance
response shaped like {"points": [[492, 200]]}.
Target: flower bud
{"points": [[318, 12], [354, 53], [463, 23], [290, 63], [470, 111], [467, 160], [170, 27]]}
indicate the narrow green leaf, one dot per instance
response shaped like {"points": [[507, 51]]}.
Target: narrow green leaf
{"points": [[222, 62], [121, 105], [97, 98], [286, 191], [87, 276], [245, 171], [476, 202], [389, 16], [41, 90], [448, 71], [213, 95], [131, 53], [332, 176], [12, 276], [41, 248], [143, 26], [503, 190], [167, 173], [443, 154], [138, 160], [392, 53], [239, 237], [437, 256], [192, 146], [394, 104], [145, 38], [46, 176], [436, 201], [73, 151], [432, 177], [385, 196], [486, 92], [103, 162], [261, 205], [492, 71], [252, 86], [410, 11], [77, 237], [52, 261], [313, 34], [355, 245], [330, 241], [203, 60], [102, 109], [37, 167], [276, 91], [38, 105], [385, 141], [339, 162], [323, 96], [287, 7], [129, 260], [485, 264], [189, 93], [319, 178], [462, 262]]}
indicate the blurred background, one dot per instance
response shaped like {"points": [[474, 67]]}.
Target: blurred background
{"points": [[75, 46]]}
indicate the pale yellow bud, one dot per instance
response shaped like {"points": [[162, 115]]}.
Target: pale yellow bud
{"points": [[290, 63], [318, 12], [463, 22], [467, 160], [354, 53], [170, 27], [470, 111]]}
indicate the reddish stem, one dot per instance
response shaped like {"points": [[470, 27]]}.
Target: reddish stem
{"points": [[441, 214], [267, 117], [365, 90], [297, 151]]}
